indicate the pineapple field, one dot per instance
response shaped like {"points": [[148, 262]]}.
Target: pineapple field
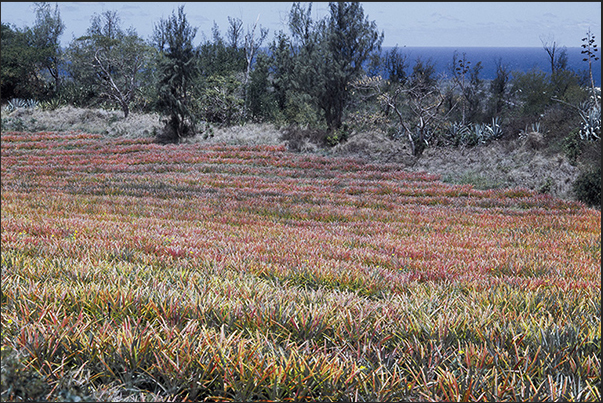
{"points": [[133, 271]]}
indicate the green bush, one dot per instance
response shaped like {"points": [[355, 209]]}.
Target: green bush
{"points": [[572, 146], [221, 101], [587, 187], [532, 90], [337, 136]]}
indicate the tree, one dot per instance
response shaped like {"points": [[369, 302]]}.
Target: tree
{"points": [[178, 70], [562, 79], [557, 56], [424, 100], [301, 25], [235, 30], [323, 57], [31, 56], [19, 78], [348, 41], [499, 88], [282, 61], [470, 87], [295, 69], [220, 100], [532, 91], [395, 64], [416, 103], [261, 101], [47, 30], [251, 46], [589, 51], [109, 59], [219, 57]]}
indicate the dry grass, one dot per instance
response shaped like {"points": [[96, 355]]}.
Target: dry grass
{"points": [[69, 118], [375, 146], [248, 134], [500, 164]]}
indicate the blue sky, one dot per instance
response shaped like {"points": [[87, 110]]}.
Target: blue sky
{"points": [[454, 24]]}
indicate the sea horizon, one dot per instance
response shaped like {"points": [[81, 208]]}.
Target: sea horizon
{"points": [[516, 58]]}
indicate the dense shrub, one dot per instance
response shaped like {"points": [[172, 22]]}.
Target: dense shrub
{"points": [[531, 89], [221, 101], [572, 146], [587, 187]]}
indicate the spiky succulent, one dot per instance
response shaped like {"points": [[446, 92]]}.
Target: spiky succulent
{"points": [[591, 123], [21, 103]]}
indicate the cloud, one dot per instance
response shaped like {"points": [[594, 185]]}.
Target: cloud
{"points": [[130, 6], [439, 17], [410, 23], [70, 8], [134, 11], [199, 20], [89, 3]]}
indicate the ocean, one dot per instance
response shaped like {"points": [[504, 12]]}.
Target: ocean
{"points": [[517, 59]]}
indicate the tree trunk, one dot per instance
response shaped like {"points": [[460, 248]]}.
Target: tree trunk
{"points": [[125, 108]]}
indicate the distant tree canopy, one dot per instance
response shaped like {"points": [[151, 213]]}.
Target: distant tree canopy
{"points": [[109, 60], [18, 79], [220, 56]]}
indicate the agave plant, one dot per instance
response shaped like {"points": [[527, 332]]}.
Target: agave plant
{"points": [[472, 135], [534, 127], [496, 128], [15, 103], [591, 122], [479, 134], [51, 105], [21, 103], [456, 132]]}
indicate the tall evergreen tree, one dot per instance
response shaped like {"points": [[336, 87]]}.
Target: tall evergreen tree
{"points": [[330, 54], [223, 57], [261, 101], [349, 40], [282, 62], [178, 70], [396, 65]]}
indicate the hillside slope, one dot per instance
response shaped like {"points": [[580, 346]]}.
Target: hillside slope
{"points": [[510, 163]]}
